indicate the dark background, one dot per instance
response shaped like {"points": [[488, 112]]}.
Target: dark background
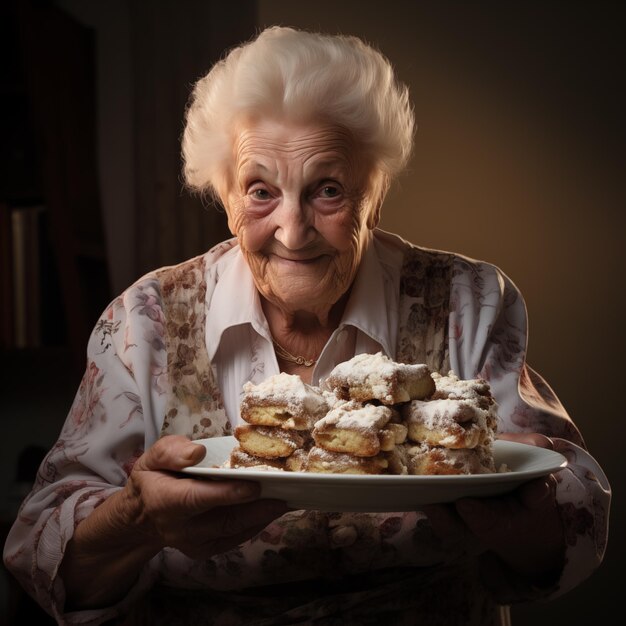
{"points": [[519, 161]]}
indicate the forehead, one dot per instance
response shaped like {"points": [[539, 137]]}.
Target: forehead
{"points": [[261, 143]]}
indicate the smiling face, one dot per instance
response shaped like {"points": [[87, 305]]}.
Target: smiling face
{"points": [[297, 204]]}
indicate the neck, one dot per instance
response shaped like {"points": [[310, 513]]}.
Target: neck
{"points": [[300, 332]]}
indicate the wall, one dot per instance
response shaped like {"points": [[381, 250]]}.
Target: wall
{"points": [[518, 161], [116, 151]]}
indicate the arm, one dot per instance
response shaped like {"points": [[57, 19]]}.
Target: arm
{"points": [[84, 497], [156, 509], [489, 332]]}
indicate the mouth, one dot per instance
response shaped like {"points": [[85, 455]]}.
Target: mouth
{"points": [[297, 260]]}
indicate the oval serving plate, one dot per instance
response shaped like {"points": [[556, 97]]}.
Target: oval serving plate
{"points": [[380, 493]]}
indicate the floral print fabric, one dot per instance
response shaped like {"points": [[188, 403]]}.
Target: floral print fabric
{"points": [[195, 407], [148, 373]]}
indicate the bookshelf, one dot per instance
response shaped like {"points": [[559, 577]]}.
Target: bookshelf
{"points": [[54, 272], [53, 266], [31, 315]]}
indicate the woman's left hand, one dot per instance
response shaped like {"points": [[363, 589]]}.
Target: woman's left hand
{"points": [[522, 529]]}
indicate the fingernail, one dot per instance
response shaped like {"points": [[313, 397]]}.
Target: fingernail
{"points": [[247, 490], [191, 453], [536, 494]]}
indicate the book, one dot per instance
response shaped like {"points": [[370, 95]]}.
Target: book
{"points": [[25, 240], [6, 277]]}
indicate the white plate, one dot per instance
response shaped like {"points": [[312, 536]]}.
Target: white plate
{"points": [[380, 493]]}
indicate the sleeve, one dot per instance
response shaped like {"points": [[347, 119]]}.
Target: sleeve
{"points": [[488, 339], [104, 433]]}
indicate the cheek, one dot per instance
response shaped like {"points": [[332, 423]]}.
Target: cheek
{"points": [[252, 233], [343, 231]]}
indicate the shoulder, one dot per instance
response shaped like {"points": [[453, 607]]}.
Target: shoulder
{"points": [[484, 284], [438, 274], [416, 261], [143, 304], [420, 263], [413, 257], [425, 269], [194, 272]]}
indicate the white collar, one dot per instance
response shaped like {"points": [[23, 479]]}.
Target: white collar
{"points": [[234, 301], [372, 306]]}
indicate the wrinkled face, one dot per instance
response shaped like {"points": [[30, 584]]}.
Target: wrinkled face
{"points": [[297, 207]]}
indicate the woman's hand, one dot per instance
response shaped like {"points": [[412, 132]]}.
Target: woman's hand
{"points": [[198, 517], [158, 507], [521, 530]]}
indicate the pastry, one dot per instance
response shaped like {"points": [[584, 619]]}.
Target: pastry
{"points": [[375, 377], [361, 430], [282, 400], [447, 423], [269, 442], [326, 462]]}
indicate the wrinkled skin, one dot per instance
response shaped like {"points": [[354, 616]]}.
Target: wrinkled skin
{"points": [[159, 508], [298, 208]]}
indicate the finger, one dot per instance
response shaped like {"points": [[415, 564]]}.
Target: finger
{"points": [[233, 520], [443, 519], [492, 519], [227, 527], [539, 493], [532, 439], [171, 453], [226, 492], [486, 517], [450, 528], [187, 497]]}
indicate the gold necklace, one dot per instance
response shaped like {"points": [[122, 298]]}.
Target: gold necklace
{"points": [[287, 356]]}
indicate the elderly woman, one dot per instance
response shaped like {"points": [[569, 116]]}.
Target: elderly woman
{"points": [[299, 136]]}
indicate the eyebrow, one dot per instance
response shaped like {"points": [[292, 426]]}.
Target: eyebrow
{"points": [[329, 162], [251, 167], [326, 164]]}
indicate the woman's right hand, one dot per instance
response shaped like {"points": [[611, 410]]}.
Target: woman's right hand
{"points": [[158, 507], [198, 517]]}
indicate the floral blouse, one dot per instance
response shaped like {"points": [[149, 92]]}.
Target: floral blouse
{"points": [[149, 373]]}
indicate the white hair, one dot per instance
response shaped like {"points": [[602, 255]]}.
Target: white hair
{"points": [[298, 76]]}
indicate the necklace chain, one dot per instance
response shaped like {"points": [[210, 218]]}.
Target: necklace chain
{"points": [[287, 356]]}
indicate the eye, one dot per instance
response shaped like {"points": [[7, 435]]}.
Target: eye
{"points": [[329, 191], [328, 196], [260, 198], [260, 194]]}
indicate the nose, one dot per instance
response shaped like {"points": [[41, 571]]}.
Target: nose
{"points": [[294, 226]]}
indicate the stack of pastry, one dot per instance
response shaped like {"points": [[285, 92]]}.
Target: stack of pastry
{"points": [[279, 413], [453, 431], [370, 416], [363, 432]]}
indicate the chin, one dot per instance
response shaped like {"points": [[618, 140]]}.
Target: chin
{"points": [[313, 288], [305, 300]]}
